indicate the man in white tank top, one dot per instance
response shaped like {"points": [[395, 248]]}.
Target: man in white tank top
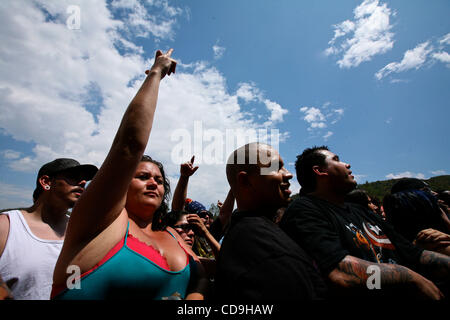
{"points": [[31, 239]]}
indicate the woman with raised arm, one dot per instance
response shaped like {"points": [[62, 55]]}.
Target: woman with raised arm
{"points": [[112, 240]]}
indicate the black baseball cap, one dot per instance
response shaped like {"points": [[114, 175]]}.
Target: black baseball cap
{"points": [[59, 165]]}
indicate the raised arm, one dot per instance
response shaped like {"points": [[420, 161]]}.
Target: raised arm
{"points": [[353, 272], [104, 199], [187, 169], [201, 230], [226, 210]]}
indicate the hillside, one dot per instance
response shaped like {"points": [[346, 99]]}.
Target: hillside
{"points": [[380, 188]]}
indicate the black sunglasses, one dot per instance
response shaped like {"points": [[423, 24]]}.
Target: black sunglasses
{"points": [[204, 214], [185, 227]]}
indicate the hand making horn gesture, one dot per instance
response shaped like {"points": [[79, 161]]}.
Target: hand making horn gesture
{"points": [[163, 64], [187, 169]]}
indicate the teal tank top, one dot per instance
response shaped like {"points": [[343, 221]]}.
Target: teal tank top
{"points": [[128, 274]]}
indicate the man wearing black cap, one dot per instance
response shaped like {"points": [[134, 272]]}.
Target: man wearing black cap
{"points": [[31, 239]]}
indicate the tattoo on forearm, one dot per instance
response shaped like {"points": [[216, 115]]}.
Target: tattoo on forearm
{"points": [[355, 273], [439, 264]]}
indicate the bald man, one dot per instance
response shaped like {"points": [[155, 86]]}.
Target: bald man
{"points": [[257, 260]]}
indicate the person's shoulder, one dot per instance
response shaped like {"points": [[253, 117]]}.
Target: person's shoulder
{"points": [[301, 204], [247, 222], [254, 239], [10, 211], [303, 201], [250, 229], [4, 230], [361, 210], [4, 221]]}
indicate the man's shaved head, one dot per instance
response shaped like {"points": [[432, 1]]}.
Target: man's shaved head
{"points": [[258, 179], [248, 158]]}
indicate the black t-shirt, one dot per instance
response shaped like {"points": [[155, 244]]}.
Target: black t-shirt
{"points": [[329, 232], [259, 262]]}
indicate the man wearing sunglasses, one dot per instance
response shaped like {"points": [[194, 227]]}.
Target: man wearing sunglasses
{"points": [[31, 238]]}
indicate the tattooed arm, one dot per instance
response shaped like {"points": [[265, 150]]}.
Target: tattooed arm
{"points": [[353, 272], [436, 264]]}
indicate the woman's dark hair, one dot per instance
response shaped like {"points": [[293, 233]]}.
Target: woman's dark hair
{"points": [[171, 218], [358, 196], [164, 207], [412, 211]]}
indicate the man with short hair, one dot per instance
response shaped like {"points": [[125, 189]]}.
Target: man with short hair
{"points": [[257, 260], [31, 239], [355, 250]]}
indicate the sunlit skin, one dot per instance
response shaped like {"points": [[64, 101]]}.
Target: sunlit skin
{"points": [[372, 206], [67, 187], [126, 193], [272, 187], [334, 179], [146, 191], [185, 230], [339, 169], [263, 186]]}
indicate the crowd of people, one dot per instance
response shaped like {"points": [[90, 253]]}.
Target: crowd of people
{"points": [[122, 239]]}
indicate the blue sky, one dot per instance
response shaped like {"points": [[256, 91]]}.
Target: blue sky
{"points": [[367, 78]]}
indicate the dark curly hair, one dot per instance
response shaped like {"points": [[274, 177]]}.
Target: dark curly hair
{"points": [[161, 212], [303, 167], [412, 211]]}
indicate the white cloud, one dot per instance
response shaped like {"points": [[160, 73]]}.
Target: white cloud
{"points": [[295, 186], [423, 54], [327, 135], [339, 111], [250, 93], [406, 174], [276, 112], [438, 172], [399, 81], [218, 51], [320, 125], [11, 154], [341, 29], [138, 22], [368, 35], [12, 196], [445, 39], [442, 57], [359, 177], [321, 118], [47, 106], [413, 59], [312, 115]]}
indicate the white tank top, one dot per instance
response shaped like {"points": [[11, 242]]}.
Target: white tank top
{"points": [[29, 259]]}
